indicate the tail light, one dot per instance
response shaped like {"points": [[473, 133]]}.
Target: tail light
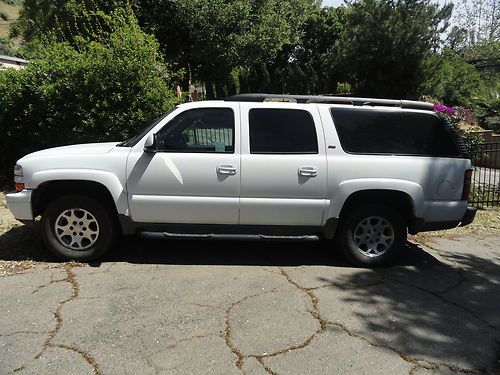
{"points": [[467, 184]]}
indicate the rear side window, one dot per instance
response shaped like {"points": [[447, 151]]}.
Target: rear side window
{"points": [[393, 132], [282, 131]]}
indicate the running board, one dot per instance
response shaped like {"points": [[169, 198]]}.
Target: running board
{"points": [[213, 236]]}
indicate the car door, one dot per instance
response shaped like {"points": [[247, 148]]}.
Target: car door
{"points": [[194, 177], [283, 165]]}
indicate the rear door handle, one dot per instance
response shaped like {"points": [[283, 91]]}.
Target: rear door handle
{"points": [[308, 171], [227, 169]]}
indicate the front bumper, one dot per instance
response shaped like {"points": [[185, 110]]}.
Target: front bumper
{"points": [[19, 204]]}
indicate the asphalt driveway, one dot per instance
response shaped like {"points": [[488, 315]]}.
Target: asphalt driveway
{"points": [[198, 307]]}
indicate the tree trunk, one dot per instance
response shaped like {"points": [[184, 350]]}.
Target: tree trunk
{"points": [[210, 90]]}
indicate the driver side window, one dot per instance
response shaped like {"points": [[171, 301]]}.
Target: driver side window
{"points": [[199, 130]]}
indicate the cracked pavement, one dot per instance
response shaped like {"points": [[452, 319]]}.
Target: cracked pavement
{"points": [[205, 307]]}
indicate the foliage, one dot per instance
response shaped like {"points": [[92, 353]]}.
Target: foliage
{"points": [[64, 19], [226, 43], [7, 47], [385, 42], [96, 91], [489, 50], [450, 79], [479, 20], [300, 67], [487, 105], [458, 116]]}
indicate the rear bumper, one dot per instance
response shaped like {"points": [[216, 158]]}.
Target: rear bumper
{"points": [[420, 225], [19, 204], [469, 216]]}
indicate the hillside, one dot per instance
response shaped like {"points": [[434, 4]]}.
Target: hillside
{"points": [[8, 9]]}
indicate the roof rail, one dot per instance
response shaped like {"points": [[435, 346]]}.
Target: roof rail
{"points": [[409, 104]]}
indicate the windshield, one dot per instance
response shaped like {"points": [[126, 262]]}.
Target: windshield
{"points": [[133, 141]]}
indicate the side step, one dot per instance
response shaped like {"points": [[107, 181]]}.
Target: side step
{"points": [[233, 237]]}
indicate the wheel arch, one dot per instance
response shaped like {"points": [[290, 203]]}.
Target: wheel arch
{"points": [[398, 200], [48, 191], [382, 189]]}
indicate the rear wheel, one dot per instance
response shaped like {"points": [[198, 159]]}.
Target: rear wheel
{"points": [[371, 235], [77, 227]]}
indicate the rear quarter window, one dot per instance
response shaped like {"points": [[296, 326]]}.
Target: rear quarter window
{"points": [[378, 131]]}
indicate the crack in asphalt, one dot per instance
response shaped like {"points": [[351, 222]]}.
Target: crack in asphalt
{"points": [[452, 261], [180, 341], [445, 300], [52, 281], [23, 332], [266, 367], [70, 278], [461, 280], [417, 363], [227, 329]]}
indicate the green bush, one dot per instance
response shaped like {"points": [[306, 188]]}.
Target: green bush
{"points": [[487, 106], [450, 79], [7, 47], [96, 91]]}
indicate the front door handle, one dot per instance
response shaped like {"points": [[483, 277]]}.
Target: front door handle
{"points": [[308, 171], [227, 169]]}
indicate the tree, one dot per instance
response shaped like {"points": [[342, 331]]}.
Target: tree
{"points": [[299, 68], [95, 91], [450, 79], [385, 42], [65, 19], [480, 19], [211, 39]]}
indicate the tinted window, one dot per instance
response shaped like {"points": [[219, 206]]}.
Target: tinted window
{"points": [[199, 130], [393, 132], [282, 131]]}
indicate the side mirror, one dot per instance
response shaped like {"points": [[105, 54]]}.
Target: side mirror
{"points": [[151, 144]]}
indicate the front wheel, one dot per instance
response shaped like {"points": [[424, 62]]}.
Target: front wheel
{"points": [[371, 235], [78, 228]]}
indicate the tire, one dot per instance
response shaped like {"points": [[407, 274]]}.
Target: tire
{"points": [[370, 236], [96, 230]]}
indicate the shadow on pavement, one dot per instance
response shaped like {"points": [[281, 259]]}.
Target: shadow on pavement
{"points": [[23, 243], [235, 253], [427, 309]]}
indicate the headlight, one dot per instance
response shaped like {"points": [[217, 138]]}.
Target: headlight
{"points": [[19, 177]]}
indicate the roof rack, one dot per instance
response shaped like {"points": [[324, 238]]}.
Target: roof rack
{"points": [[409, 104]]}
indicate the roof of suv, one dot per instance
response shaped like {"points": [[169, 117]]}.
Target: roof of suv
{"points": [[408, 104]]}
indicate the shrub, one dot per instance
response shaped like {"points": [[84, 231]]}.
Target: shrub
{"points": [[450, 79], [487, 107], [96, 91], [7, 47], [458, 116]]}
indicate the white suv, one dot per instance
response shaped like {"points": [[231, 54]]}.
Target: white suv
{"points": [[361, 171]]}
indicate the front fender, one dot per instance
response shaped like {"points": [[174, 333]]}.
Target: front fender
{"points": [[107, 179]]}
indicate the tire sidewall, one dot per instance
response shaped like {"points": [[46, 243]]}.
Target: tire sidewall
{"points": [[349, 224], [107, 232]]}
